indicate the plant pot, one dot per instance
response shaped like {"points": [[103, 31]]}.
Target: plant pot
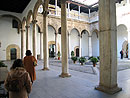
{"points": [[82, 63], [3, 73], [74, 62], [94, 65], [58, 58]]}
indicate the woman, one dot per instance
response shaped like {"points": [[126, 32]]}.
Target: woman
{"points": [[29, 64], [18, 82]]}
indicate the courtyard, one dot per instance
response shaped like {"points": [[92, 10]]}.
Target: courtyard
{"points": [[81, 84]]}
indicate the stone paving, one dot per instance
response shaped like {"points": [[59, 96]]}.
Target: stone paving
{"points": [[80, 85]]}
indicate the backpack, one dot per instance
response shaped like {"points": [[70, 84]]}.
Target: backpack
{"points": [[15, 84]]}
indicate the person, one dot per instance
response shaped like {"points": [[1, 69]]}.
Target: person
{"points": [[29, 62], [18, 82], [121, 52]]}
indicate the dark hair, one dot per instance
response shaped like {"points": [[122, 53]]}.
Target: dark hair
{"points": [[28, 53], [17, 63]]}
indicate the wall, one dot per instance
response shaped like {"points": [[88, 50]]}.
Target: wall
{"points": [[8, 36], [84, 44]]}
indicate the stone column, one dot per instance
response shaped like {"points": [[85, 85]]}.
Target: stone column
{"points": [[41, 45], [69, 46], [22, 43], [68, 9], [80, 49], [56, 7], [90, 46], [89, 14], [64, 41], [108, 47], [34, 40], [27, 37], [56, 45], [79, 13], [45, 41]]}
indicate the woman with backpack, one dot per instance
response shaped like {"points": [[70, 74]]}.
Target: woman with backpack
{"points": [[18, 82]]}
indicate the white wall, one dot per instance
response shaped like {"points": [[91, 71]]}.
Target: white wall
{"points": [[122, 35], [84, 44], [8, 36], [123, 25], [74, 39], [95, 45], [51, 34]]}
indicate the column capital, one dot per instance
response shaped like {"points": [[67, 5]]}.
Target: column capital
{"points": [[22, 30], [34, 21], [90, 36], [27, 26], [45, 13]]}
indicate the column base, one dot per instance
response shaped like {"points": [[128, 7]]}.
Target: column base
{"points": [[45, 68], [63, 75], [108, 90]]}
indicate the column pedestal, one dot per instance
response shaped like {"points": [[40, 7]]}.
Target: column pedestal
{"points": [[112, 90], [63, 75]]}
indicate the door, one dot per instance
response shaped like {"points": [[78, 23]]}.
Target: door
{"points": [[13, 53]]}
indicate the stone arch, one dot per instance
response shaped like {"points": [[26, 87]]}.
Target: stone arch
{"points": [[29, 16], [38, 3], [76, 30], [85, 43], [95, 43], [53, 42], [24, 22], [96, 31], [122, 36], [84, 31], [8, 56], [53, 27]]}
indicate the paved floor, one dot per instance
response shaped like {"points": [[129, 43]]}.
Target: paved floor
{"points": [[79, 85]]}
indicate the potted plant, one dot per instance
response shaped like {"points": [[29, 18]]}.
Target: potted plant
{"points": [[74, 59], [58, 54], [94, 60], [82, 60], [72, 53], [3, 71]]}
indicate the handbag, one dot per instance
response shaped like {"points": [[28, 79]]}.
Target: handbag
{"points": [[34, 62]]}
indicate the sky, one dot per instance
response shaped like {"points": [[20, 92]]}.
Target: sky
{"points": [[86, 2]]}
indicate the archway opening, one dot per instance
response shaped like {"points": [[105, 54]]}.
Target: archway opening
{"points": [[52, 50], [13, 53]]}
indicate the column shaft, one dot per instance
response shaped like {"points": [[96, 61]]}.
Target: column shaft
{"points": [[34, 39], [90, 46], [80, 49], [27, 37], [41, 45], [108, 47], [56, 45], [22, 43], [64, 40], [56, 7], [45, 41]]}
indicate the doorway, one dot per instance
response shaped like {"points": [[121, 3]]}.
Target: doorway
{"points": [[52, 50], [13, 53]]}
